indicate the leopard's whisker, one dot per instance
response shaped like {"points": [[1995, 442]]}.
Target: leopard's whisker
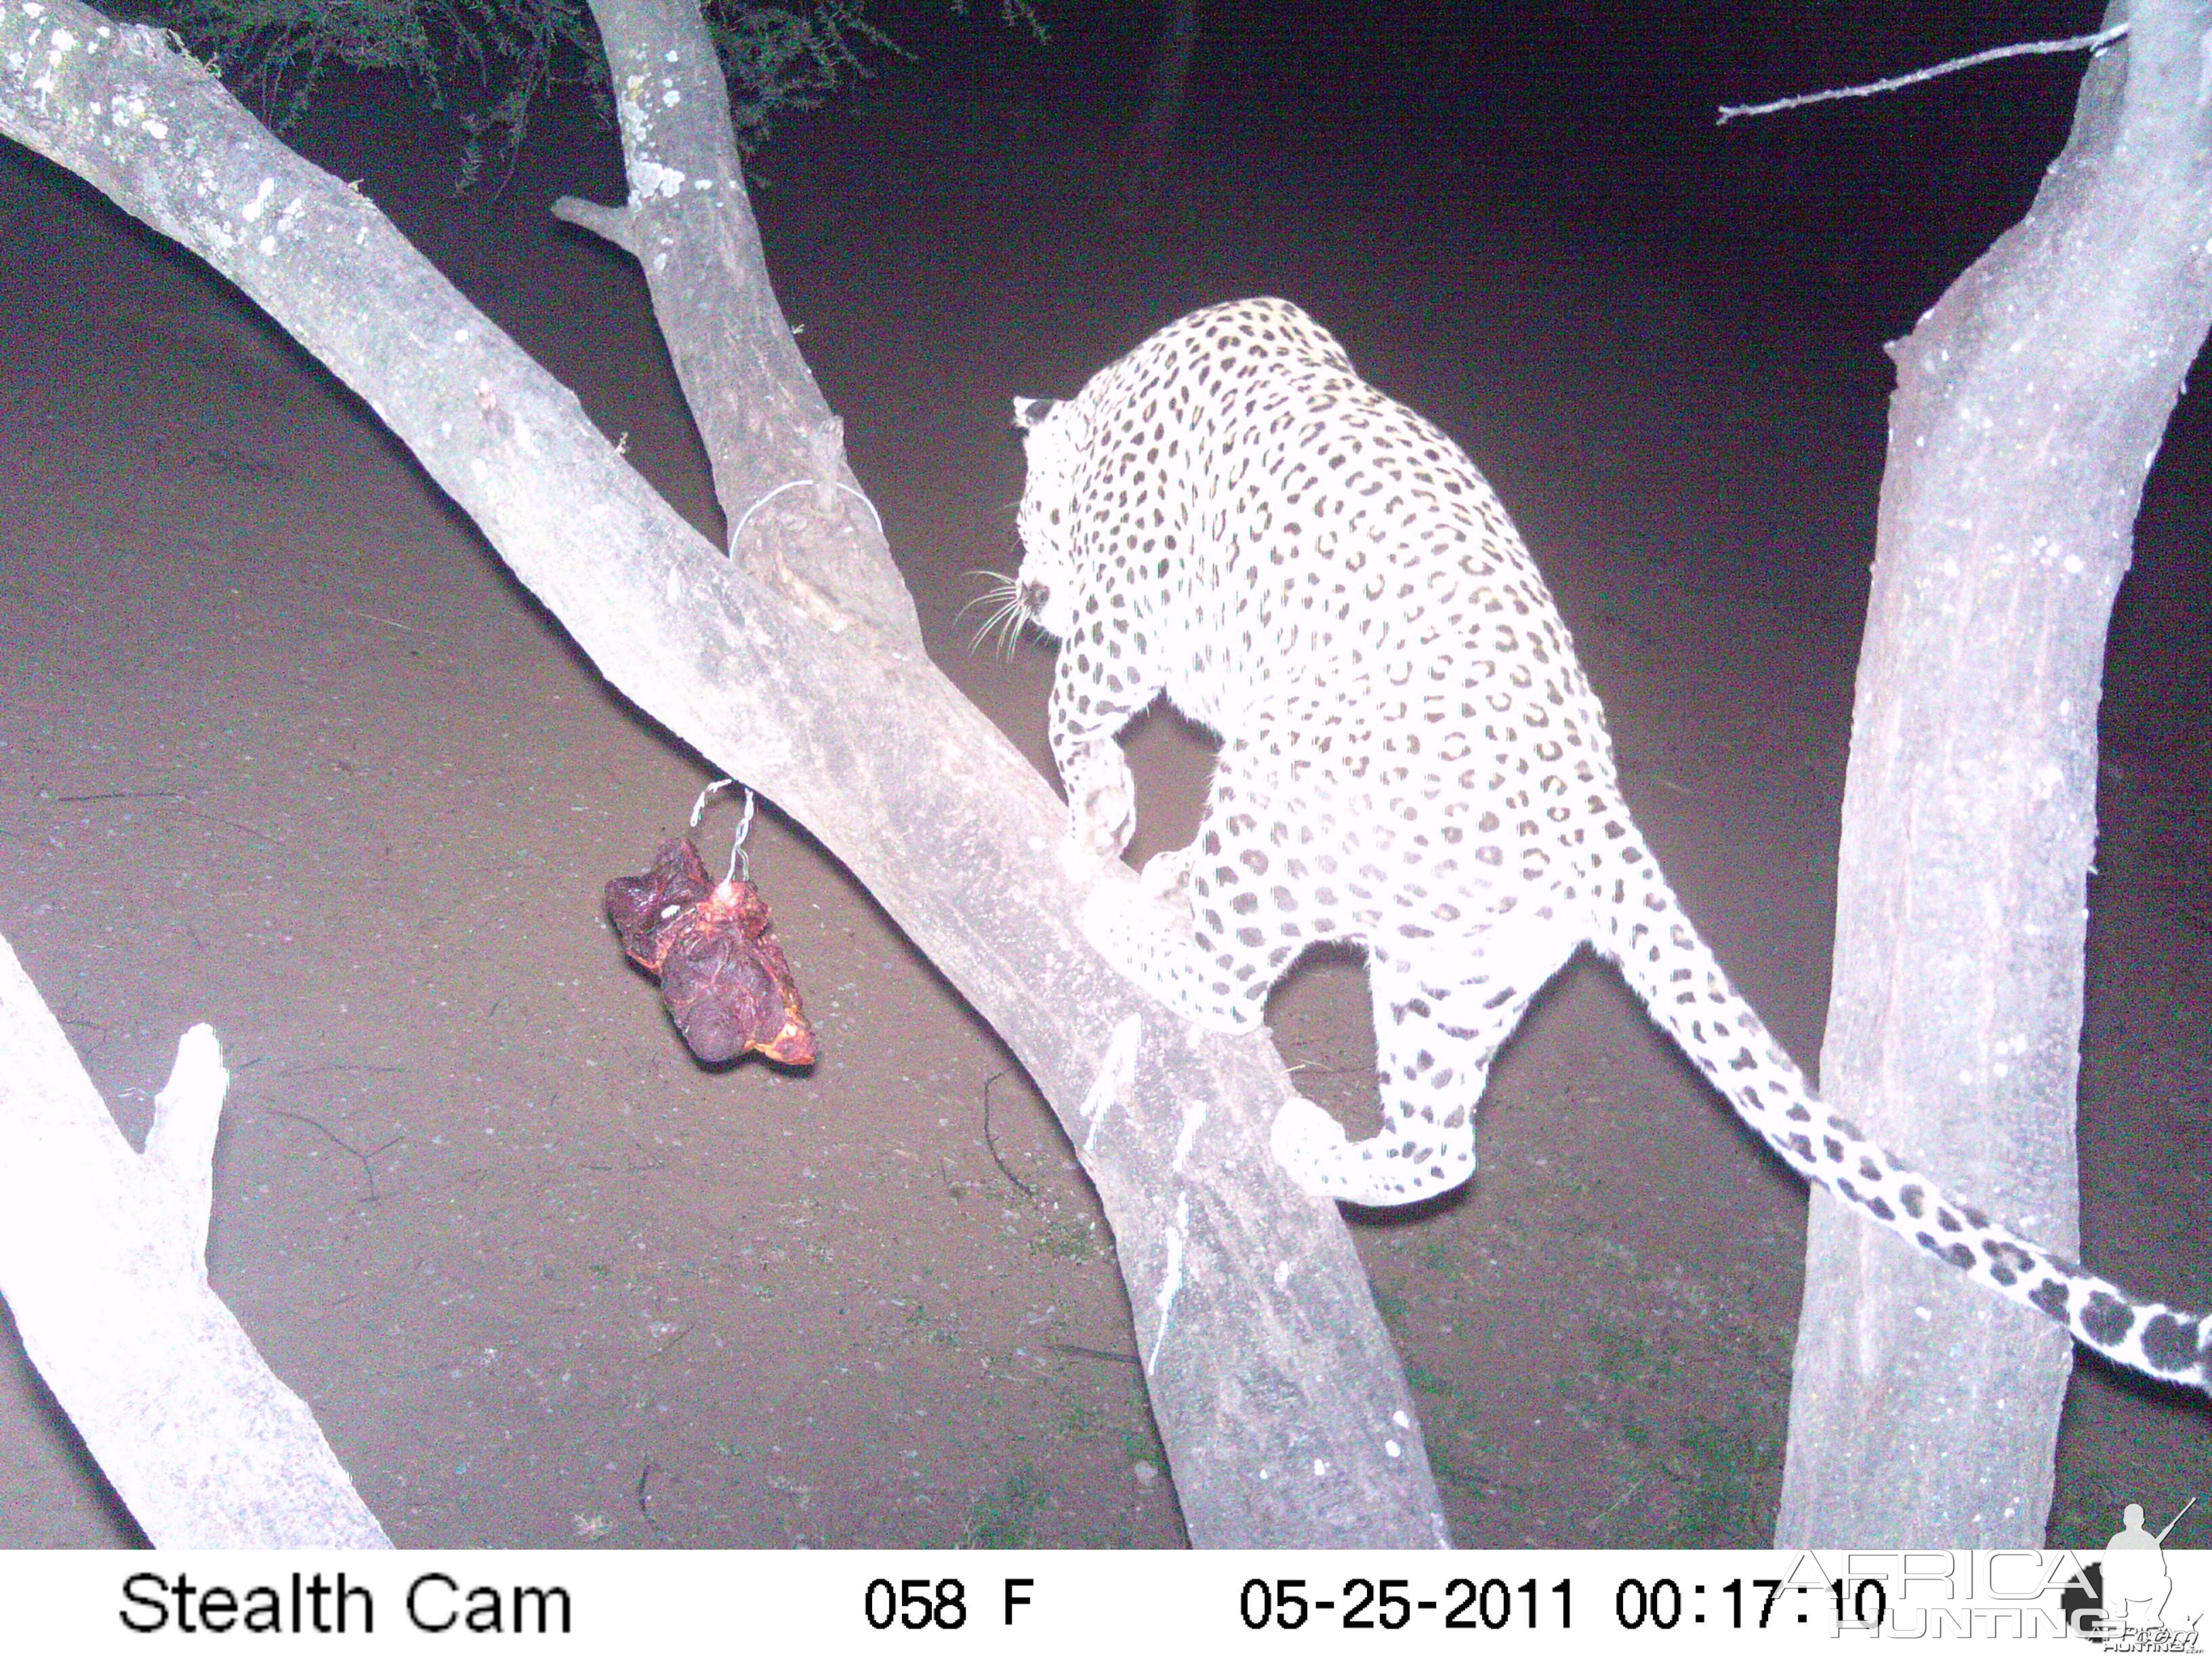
{"points": [[1011, 618], [1006, 613], [990, 626]]}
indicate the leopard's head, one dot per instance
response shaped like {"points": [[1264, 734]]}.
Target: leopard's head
{"points": [[1045, 586]]}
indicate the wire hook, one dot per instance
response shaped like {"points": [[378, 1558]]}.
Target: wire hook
{"points": [[741, 866]]}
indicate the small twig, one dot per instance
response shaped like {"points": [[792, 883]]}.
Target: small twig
{"points": [[1606, 1514], [1028, 1191], [232, 823], [645, 1503], [70, 1020], [2096, 42], [119, 794], [1081, 1352], [375, 1196], [370, 616]]}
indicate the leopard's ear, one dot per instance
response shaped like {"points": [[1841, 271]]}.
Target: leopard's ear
{"points": [[1029, 411]]}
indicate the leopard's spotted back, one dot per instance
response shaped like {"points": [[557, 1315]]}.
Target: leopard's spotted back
{"points": [[1411, 758]]}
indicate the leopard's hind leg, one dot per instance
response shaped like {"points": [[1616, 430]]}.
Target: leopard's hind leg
{"points": [[1440, 1019]]}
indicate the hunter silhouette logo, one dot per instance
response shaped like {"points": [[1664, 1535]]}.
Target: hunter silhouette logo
{"points": [[2121, 1602]]}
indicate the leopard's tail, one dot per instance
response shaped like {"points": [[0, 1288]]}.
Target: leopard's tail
{"points": [[1641, 926]]}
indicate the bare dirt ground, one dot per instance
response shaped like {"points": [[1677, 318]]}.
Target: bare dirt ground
{"points": [[282, 748]]}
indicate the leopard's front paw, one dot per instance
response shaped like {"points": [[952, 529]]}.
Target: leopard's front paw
{"points": [[1166, 876], [1089, 858], [1101, 821], [1311, 1147], [1102, 810]]}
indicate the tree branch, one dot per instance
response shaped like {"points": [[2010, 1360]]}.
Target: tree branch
{"points": [[2096, 42], [103, 1261], [612, 223], [1276, 1389]]}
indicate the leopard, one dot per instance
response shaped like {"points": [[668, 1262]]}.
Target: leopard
{"points": [[1412, 762]]}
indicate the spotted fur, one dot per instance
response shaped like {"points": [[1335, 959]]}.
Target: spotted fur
{"points": [[1411, 758]]}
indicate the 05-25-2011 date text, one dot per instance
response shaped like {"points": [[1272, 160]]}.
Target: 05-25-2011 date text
{"points": [[1499, 1604]]}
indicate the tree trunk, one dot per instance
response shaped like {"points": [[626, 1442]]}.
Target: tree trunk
{"points": [[2030, 404], [794, 668]]}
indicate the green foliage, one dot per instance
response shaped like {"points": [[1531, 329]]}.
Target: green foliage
{"points": [[1003, 1520], [775, 57], [488, 61]]}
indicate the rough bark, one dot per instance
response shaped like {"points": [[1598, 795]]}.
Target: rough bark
{"points": [[2030, 404], [103, 1261], [1286, 1420], [796, 519]]}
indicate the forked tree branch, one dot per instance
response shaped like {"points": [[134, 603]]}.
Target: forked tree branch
{"points": [[793, 666], [103, 1261]]}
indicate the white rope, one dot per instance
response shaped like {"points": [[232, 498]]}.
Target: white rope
{"points": [[801, 483]]}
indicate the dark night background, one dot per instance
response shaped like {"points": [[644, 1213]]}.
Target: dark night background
{"points": [[282, 747]]}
